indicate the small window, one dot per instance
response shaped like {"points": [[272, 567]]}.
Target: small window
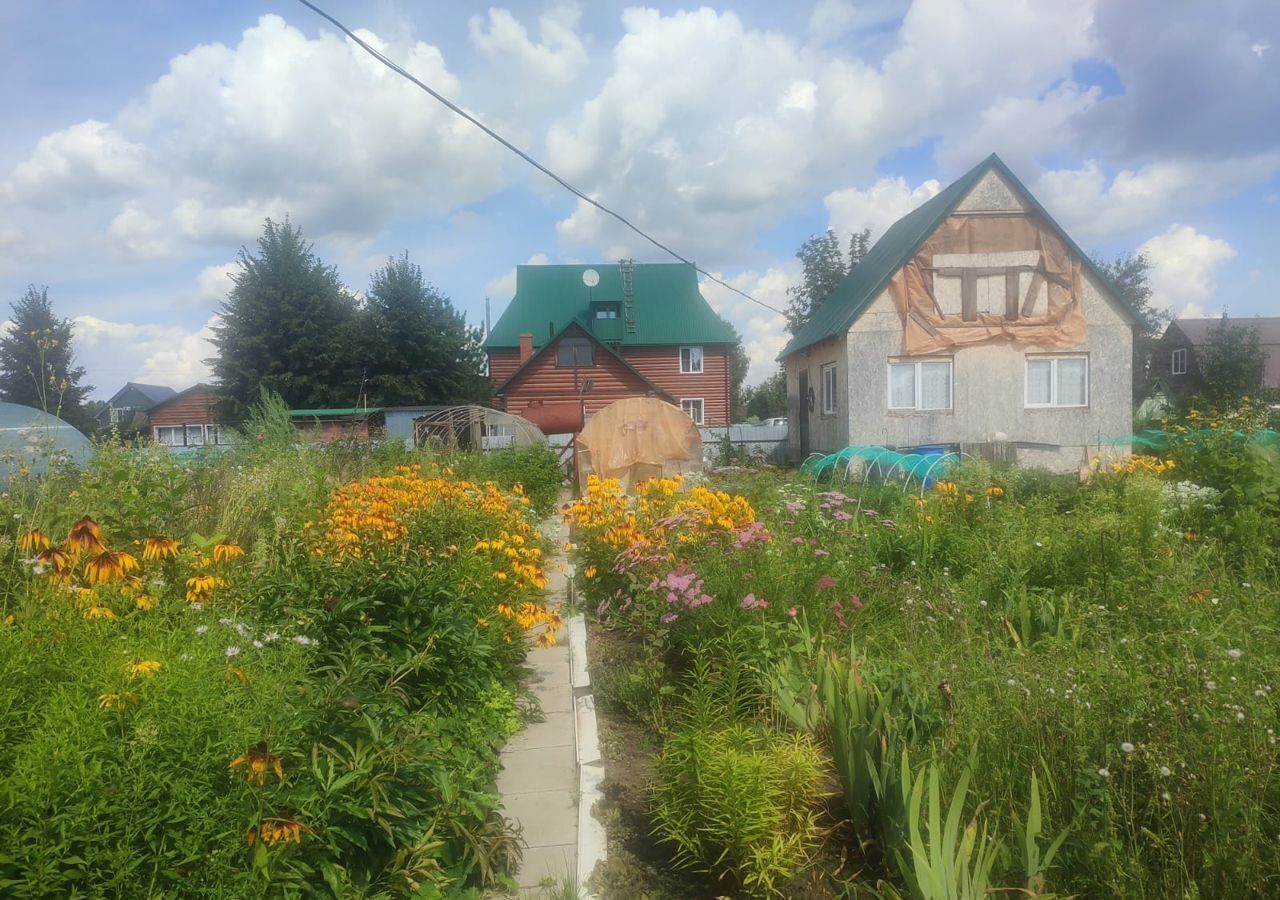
{"points": [[195, 435], [690, 360], [169, 435], [606, 312], [216, 434], [692, 409], [829, 390], [121, 414], [574, 353], [1179, 364], [921, 385], [496, 436], [1054, 381]]}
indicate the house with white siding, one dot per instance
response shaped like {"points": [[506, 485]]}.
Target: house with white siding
{"points": [[974, 324]]}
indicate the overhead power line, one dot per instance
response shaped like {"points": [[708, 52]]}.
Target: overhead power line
{"points": [[399, 70]]}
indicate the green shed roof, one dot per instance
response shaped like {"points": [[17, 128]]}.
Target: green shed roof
{"points": [[900, 242], [668, 308]]}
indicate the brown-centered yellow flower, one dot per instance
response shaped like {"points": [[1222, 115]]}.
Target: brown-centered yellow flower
{"points": [[85, 535], [257, 762], [33, 540], [109, 565], [159, 548], [224, 552]]}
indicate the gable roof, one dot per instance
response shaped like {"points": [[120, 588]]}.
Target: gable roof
{"points": [[607, 349], [199, 386], [153, 392], [901, 241], [668, 307], [1197, 330]]}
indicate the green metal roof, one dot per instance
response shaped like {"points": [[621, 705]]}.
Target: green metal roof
{"points": [[900, 242], [668, 308], [322, 413]]}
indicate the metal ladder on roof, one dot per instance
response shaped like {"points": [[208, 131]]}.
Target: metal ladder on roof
{"points": [[628, 269]]}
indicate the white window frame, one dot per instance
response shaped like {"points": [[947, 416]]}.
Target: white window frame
{"points": [[186, 435], [606, 312], [829, 391], [1053, 382], [690, 369], [120, 414], [215, 435], [688, 410], [158, 433], [1178, 364], [919, 384]]}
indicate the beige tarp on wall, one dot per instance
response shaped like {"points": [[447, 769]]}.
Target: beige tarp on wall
{"points": [[638, 438], [926, 329]]}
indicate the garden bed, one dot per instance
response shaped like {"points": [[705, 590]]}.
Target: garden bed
{"points": [[1060, 689]]}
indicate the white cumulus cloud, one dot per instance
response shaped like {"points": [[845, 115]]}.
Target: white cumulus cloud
{"points": [[1184, 264], [877, 207]]}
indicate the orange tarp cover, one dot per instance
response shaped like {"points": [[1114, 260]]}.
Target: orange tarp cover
{"points": [[926, 329], [640, 437]]}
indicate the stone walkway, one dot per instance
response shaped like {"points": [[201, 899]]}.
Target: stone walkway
{"points": [[539, 781]]}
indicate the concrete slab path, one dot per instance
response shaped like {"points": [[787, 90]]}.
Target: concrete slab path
{"points": [[540, 777]]}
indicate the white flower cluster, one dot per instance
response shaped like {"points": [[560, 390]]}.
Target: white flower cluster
{"points": [[1182, 495]]}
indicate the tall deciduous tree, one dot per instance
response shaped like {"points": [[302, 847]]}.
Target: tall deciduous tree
{"points": [[1130, 276], [739, 364], [414, 346], [768, 399], [37, 362], [825, 266], [1232, 361], [287, 325]]}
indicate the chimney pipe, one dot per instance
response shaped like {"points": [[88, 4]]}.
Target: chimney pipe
{"points": [[526, 346]]}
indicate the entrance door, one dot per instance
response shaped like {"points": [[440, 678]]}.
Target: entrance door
{"points": [[802, 411]]}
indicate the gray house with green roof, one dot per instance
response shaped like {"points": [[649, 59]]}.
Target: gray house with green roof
{"points": [[579, 337], [976, 324]]}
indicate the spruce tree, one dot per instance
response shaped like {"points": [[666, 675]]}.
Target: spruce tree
{"points": [[287, 326], [37, 362], [415, 347]]}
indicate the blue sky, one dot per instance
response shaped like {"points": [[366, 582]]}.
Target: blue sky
{"points": [[147, 140]]}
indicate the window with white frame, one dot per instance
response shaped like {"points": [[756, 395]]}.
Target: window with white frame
{"points": [[1178, 365], [121, 414], [217, 435], [195, 435], [169, 435], [829, 389], [693, 409], [1054, 381], [922, 384], [690, 360]]}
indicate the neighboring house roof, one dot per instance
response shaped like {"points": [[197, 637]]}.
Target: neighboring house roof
{"points": [[155, 393], [180, 394], [667, 306], [1197, 330], [599, 343], [900, 242]]}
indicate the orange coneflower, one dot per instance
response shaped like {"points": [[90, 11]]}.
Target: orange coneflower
{"points": [[275, 830], [224, 552], [33, 540], [257, 761], [159, 548], [85, 535], [54, 559], [109, 565], [201, 586], [99, 612]]}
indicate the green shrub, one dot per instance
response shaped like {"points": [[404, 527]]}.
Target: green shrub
{"points": [[739, 801]]}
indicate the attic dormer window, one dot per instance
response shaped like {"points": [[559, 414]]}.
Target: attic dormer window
{"points": [[606, 311], [573, 353]]}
